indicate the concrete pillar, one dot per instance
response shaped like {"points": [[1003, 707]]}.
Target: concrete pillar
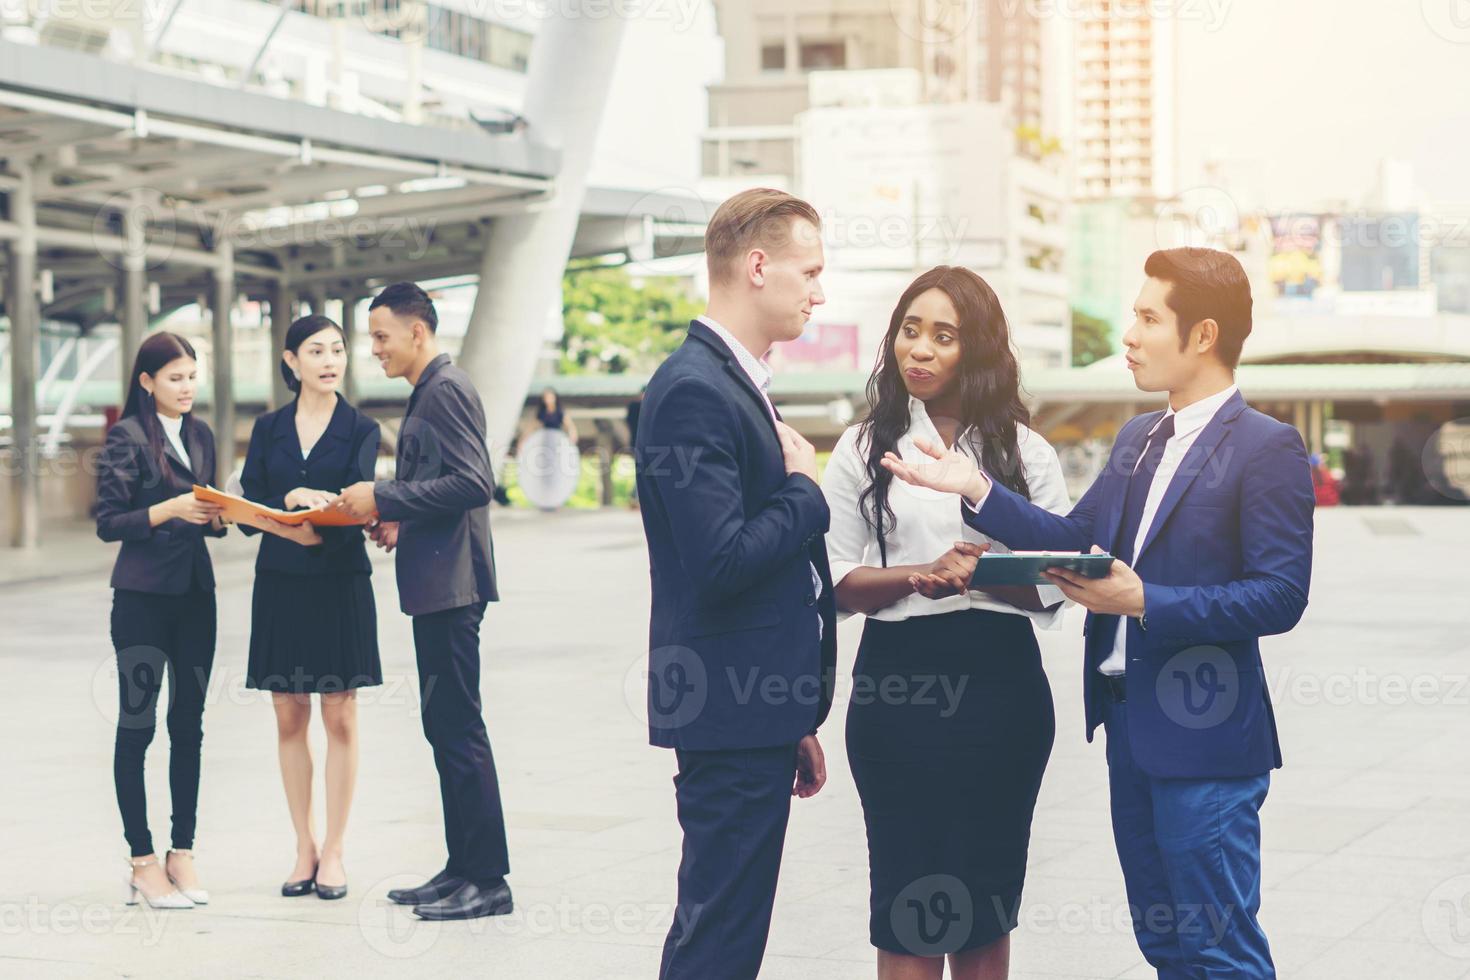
{"points": [[134, 287], [224, 362], [316, 298], [605, 460], [282, 313], [25, 330], [1314, 428], [521, 270], [349, 330]]}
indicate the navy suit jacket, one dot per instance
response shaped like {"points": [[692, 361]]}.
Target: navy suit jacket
{"points": [[440, 495], [171, 558], [345, 454], [1227, 560], [735, 660]]}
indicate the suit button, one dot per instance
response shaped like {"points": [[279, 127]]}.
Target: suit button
{"points": [[811, 600]]}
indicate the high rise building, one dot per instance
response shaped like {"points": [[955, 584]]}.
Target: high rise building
{"points": [[1123, 127], [982, 51]]}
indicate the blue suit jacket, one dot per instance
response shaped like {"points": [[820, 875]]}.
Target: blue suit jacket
{"points": [[734, 655], [1227, 560]]}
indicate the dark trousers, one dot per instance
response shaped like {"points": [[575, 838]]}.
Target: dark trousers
{"points": [[1191, 856], [156, 635], [447, 645], [733, 808]]}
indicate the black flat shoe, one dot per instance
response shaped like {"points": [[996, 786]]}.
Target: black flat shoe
{"points": [[331, 892], [295, 889], [432, 890], [469, 902]]}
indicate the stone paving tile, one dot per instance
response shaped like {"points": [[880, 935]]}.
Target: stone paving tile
{"points": [[1367, 842]]}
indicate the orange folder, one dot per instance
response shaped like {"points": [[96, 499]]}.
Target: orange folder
{"points": [[239, 510]]}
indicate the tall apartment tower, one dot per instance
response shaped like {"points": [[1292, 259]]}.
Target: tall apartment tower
{"points": [[982, 51], [1123, 130]]}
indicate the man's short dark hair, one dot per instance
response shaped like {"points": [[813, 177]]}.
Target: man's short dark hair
{"points": [[1206, 284], [407, 299]]}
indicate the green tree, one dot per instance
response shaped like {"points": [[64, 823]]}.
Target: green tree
{"points": [[616, 323], [1092, 339]]}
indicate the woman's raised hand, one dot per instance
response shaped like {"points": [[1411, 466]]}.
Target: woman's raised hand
{"points": [[947, 470]]}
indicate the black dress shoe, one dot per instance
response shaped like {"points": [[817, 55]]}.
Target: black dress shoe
{"points": [[295, 889], [469, 902], [432, 890], [330, 892]]}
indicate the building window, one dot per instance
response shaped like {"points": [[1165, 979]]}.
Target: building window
{"points": [[818, 55], [773, 56], [508, 48]]}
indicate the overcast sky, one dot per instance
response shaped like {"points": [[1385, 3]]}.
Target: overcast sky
{"points": [[1314, 92]]}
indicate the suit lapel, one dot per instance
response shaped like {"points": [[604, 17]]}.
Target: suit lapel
{"points": [[1191, 466], [1114, 516], [172, 454], [701, 332]]}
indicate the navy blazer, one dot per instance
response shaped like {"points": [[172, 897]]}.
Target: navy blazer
{"points": [[734, 658], [169, 559], [1227, 560], [345, 454], [440, 495]]}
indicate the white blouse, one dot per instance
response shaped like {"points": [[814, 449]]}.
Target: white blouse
{"points": [[173, 430], [928, 521]]}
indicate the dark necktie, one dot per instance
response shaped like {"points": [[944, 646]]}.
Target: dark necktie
{"points": [[1138, 486]]}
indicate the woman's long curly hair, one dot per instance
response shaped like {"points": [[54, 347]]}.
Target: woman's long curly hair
{"points": [[990, 406]]}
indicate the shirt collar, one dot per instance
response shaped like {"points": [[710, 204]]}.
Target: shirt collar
{"points": [[920, 423], [759, 371], [1193, 417], [432, 368]]}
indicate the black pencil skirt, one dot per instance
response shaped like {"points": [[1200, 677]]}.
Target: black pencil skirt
{"points": [[313, 634], [948, 732]]}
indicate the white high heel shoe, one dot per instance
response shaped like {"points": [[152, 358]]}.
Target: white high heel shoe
{"points": [[198, 896], [173, 900]]}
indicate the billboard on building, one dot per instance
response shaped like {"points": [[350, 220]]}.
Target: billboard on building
{"points": [[1295, 265]]}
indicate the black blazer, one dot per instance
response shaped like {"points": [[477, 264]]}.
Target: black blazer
{"points": [[172, 557], [344, 454], [441, 496], [734, 657]]}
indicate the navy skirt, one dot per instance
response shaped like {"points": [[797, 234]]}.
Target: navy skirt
{"points": [[949, 730], [313, 634]]}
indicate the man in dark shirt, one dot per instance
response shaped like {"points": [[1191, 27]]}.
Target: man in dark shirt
{"points": [[436, 513]]}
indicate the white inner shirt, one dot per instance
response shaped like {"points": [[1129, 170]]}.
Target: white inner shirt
{"points": [[173, 429], [1188, 424], [760, 373], [928, 521]]}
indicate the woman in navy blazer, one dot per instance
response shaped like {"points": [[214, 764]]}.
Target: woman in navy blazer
{"points": [[163, 611], [313, 620]]}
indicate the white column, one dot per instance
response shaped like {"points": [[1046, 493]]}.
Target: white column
{"points": [[24, 315], [520, 273], [223, 368]]}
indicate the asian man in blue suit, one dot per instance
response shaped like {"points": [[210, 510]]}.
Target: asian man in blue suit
{"points": [[742, 635], [1207, 508]]}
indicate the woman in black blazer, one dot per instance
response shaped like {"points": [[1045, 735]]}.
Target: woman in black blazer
{"points": [[313, 623], [163, 610]]}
